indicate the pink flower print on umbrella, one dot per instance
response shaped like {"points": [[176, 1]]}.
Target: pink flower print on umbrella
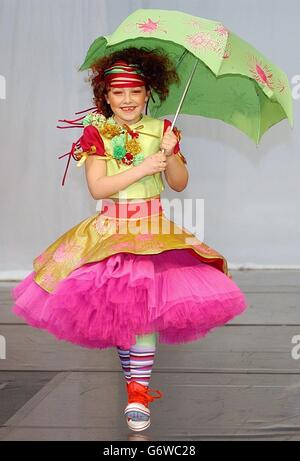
{"points": [[222, 30], [281, 86], [195, 23], [150, 26], [260, 71], [204, 41], [228, 50], [67, 251]]}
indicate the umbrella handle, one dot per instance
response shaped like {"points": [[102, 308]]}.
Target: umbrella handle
{"points": [[162, 150]]}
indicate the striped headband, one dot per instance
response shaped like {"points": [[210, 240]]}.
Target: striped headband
{"points": [[121, 75]]}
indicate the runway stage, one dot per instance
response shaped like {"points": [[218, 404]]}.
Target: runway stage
{"points": [[239, 383]]}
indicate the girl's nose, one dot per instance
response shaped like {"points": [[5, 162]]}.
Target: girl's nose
{"points": [[127, 99]]}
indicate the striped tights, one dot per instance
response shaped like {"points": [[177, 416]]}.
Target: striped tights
{"points": [[137, 363]]}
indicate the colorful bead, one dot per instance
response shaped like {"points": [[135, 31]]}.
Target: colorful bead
{"points": [[128, 159], [93, 119], [127, 150], [110, 131], [133, 146], [119, 152]]}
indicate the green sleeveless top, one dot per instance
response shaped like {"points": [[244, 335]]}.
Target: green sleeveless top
{"points": [[149, 133]]}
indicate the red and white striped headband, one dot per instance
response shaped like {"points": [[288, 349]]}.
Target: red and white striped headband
{"points": [[123, 75]]}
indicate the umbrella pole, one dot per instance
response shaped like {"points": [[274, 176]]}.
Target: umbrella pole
{"points": [[184, 93], [181, 102]]}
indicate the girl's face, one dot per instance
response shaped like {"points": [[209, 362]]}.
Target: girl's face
{"points": [[127, 104]]}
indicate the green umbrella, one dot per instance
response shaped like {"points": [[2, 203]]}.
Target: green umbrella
{"points": [[222, 76]]}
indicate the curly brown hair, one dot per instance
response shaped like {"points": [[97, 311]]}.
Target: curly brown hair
{"points": [[158, 69]]}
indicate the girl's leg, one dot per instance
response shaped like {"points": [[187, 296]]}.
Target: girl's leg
{"points": [[142, 357], [144, 341], [141, 362], [124, 355]]}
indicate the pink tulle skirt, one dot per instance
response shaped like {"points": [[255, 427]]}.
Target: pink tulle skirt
{"points": [[107, 303]]}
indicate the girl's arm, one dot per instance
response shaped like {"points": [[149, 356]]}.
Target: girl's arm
{"points": [[102, 186], [99, 184], [176, 173]]}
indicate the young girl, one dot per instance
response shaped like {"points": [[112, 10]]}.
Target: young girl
{"points": [[128, 276]]}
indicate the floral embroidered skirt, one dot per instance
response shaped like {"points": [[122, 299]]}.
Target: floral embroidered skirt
{"points": [[128, 270]]}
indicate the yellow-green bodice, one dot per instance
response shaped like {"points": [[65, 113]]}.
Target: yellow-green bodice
{"points": [[150, 132]]}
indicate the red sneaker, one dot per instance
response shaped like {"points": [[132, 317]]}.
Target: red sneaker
{"points": [[138, 400]]}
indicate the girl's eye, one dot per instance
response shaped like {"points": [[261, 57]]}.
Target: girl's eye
{"points": [[119, 92]]}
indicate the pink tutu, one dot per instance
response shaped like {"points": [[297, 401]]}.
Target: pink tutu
{"points": [[107, 303]]}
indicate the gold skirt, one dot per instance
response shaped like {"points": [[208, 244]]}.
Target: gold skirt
{"points": [[138, 227]]}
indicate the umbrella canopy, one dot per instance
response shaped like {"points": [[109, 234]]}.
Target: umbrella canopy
{"points": [[231, 80]]}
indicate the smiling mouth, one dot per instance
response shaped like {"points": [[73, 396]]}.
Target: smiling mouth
{"points": [[128, 109]]}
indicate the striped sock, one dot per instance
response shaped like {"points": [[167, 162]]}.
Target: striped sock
{"points": [[124, 355], [141, 363]]}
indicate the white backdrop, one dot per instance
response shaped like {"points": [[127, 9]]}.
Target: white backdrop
{"points": [[251, 195]]}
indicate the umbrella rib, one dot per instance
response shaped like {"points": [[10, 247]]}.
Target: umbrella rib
{"points": [[184, 93], [181, 57]]}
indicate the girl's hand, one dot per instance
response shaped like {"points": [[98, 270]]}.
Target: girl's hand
{"points": [[169, 141], [153, 164]]}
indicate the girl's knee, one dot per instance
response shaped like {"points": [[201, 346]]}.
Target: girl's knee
{"points": [[146, 340]]}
